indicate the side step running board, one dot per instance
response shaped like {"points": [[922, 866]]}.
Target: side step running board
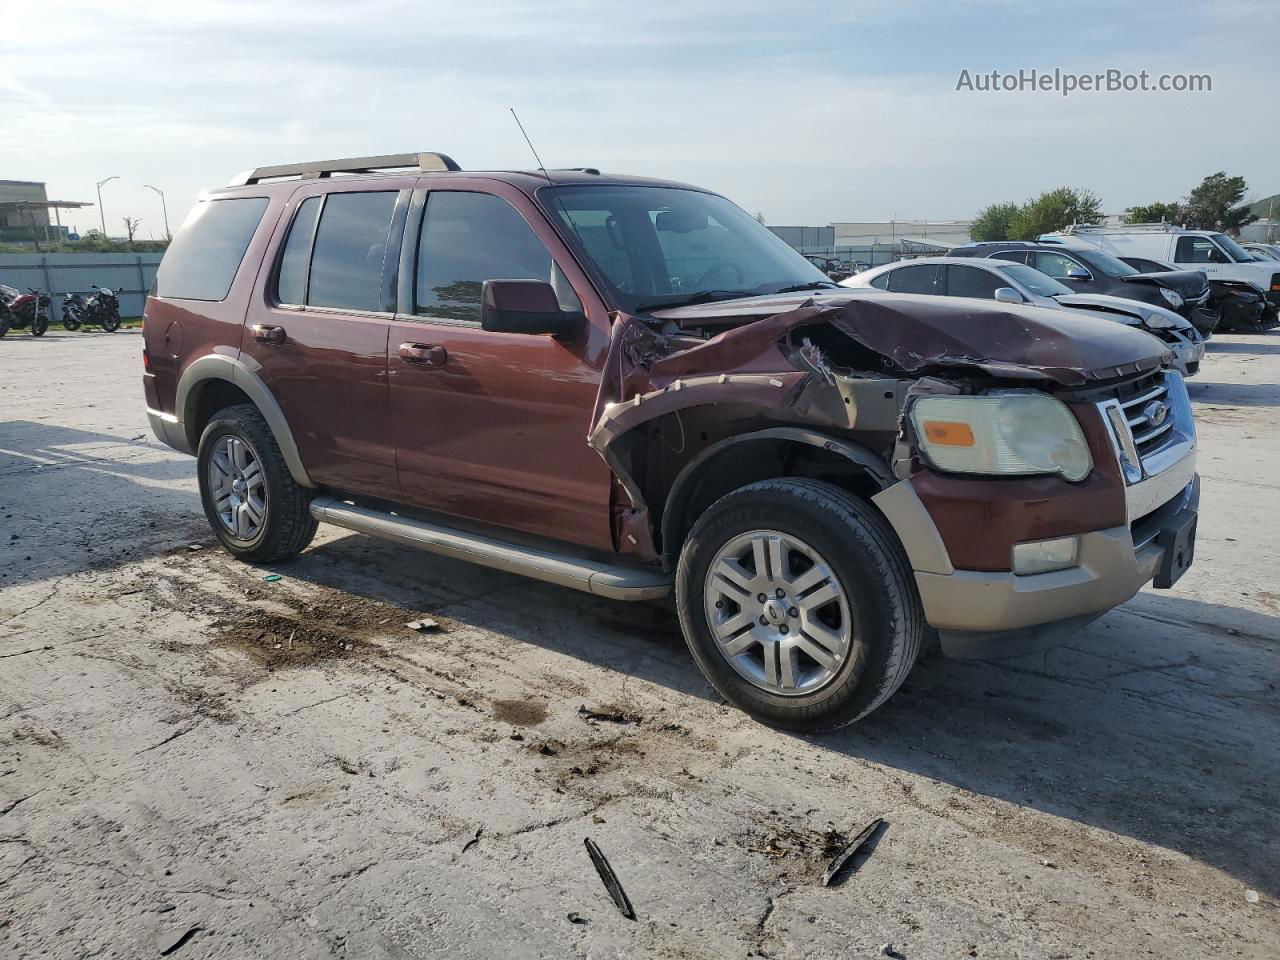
{"points": [[617, 581]]}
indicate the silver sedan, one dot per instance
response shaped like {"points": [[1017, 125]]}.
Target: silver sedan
{"points": [[1008, 282]]}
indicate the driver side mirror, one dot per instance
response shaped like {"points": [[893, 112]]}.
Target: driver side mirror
{"points": [[1007, 295], [524, 306], [1078, 273]]}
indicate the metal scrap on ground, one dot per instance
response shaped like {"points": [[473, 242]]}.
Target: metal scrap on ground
{"points": [[853, 847], [423, 625], [609, 879], [606, 715]]}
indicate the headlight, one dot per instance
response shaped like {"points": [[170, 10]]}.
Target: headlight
{"points": [[1007, 433], [1173, 297], [1158, 318]]}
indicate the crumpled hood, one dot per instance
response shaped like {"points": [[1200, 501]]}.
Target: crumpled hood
{"points": [[1121, 310], [916, 332], [1189, 283]]}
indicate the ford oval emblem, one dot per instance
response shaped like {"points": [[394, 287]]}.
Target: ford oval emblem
{"points": [[1156, 412]]}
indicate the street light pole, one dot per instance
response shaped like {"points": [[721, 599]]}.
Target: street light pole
{"points": [[165, 209], [101, 212]]}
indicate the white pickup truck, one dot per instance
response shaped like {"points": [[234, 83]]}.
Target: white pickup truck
{"points": [[1220, 257]]}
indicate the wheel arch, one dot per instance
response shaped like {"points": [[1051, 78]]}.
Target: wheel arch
{"points": [[737, 461], [216, 381]]}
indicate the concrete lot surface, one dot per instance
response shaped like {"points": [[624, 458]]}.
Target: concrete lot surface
{"points": [[197, 762]]}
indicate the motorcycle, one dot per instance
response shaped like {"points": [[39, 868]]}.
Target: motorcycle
{"points": [[101, 308], [23, 310]]}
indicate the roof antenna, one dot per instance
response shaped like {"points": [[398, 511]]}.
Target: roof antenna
{"points": [[531, 148]]}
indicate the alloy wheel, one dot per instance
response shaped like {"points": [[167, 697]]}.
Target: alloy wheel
{"points": [[238, 488], [778, 612]]}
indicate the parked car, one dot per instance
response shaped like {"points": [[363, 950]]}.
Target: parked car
{"points": [[1220, 257], [1239, 305], [833, 268], [1263, 251], [629, 386], [1094, 271], [1008, 282]]}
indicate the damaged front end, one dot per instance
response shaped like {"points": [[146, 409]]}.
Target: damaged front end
{"points": [[701, 399]]}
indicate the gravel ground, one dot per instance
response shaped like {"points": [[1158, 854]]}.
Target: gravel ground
{"points": [[199, 762]]}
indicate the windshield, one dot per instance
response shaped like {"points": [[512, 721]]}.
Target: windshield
{"points": [[1106, 264], [1035, 281], [1237, 253], [661, 245]]}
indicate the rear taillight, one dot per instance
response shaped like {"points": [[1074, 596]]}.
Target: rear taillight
{"points": [[1275, 282]]}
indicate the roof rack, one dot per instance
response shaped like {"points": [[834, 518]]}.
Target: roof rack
{"points": [[317, 169], [1078, 228]]}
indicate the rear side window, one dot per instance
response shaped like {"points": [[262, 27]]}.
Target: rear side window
{"points": [[350, 251], [1013, 256], [203, 258], [972, 282], [468, 238], [917, 279], [1055, 265], [291, 283]]}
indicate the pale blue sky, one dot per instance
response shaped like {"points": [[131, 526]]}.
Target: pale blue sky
{"points": [[809, 112]]}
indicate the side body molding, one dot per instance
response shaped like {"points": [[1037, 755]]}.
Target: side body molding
{"points": [[216, 366]]}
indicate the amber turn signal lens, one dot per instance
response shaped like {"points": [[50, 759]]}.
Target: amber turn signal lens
{"points": [[947, 433]]}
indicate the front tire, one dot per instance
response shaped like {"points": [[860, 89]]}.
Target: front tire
{"points": [[111, 322], [39, 325], [798, 604], [255, 507]]}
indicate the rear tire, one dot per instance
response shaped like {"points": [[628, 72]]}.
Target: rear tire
{"points": [[255, 507], [843, 659]]}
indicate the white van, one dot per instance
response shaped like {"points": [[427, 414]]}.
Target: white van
{"points": [[1215, 253]]}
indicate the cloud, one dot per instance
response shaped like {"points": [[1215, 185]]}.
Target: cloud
{"points": [[813, 112]]}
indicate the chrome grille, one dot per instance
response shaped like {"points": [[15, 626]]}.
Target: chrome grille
{"points": [[1151, 423], [1150, 419]]}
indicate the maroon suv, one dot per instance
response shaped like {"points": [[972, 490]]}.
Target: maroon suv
{"points": [[623, 385]]}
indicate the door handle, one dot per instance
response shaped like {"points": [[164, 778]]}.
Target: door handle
{"points": [[264, 333], [427, 354]]}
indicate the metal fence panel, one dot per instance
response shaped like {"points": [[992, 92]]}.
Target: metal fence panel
{"points": [[128, 274]]}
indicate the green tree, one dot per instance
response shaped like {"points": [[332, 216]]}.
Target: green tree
{"points": [[1154, 213], [993, 222], [1054, 210], [1216, 204]]}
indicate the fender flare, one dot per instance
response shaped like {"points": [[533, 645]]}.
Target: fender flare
{"points": [[233, 370], [853, 452]]}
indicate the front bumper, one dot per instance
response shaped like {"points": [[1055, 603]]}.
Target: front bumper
{"points": [[987, 615], [993, 613], [1187, 356]]}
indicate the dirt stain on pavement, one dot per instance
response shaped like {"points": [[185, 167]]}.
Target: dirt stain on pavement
{"points": [[520, 713], [329, 629]]}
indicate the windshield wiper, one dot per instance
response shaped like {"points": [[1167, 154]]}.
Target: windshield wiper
{"points": [[702, 296], [811, 285]]}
